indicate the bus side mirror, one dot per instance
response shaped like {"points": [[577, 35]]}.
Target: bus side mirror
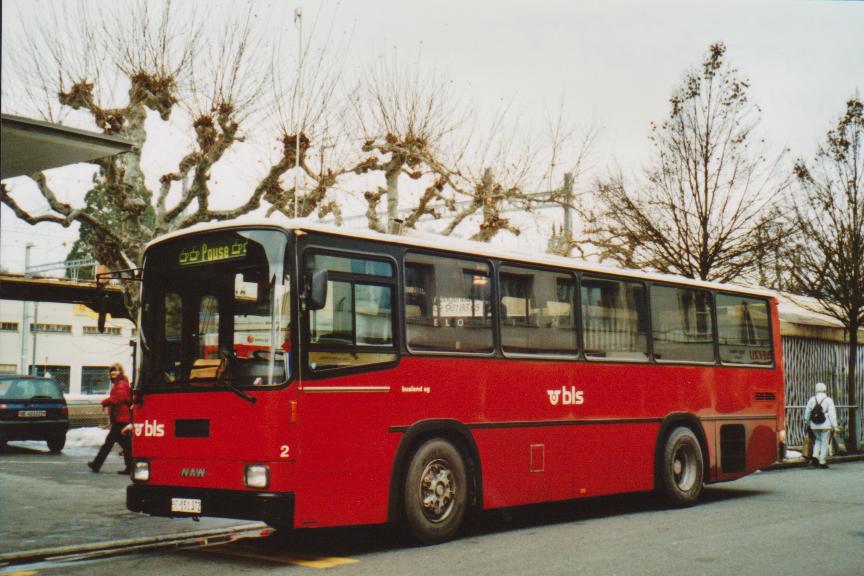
{"points": [[316, 289]]}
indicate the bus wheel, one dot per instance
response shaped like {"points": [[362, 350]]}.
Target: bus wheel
{"points": [[681, 468], [435, 492]]}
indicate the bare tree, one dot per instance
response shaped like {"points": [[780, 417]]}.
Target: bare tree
{"points": [[510, 171], [707, 192], [828, 252], [116, 67], [405, 116]]}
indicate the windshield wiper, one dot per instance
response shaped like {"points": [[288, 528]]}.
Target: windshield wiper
{"points": [[232, 362], [238, 391]]}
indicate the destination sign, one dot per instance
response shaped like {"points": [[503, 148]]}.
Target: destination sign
{"points": [[213, 250]]}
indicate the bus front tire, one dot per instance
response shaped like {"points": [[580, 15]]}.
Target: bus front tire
{"points": [[435, 492], [682, 469]]}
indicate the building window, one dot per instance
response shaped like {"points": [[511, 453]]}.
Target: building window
{"points": [[51, 328], [60, 374], [95, 380], [8, 327], [8, 368], [109, 331]]}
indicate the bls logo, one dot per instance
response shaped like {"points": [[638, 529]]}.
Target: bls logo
{"points": [[149, 429], [566, 396]]}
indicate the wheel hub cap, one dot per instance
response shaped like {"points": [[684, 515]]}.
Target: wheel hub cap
{"points": [[437, 490]]}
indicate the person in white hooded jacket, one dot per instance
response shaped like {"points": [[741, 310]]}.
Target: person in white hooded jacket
{"points": [[821, 430]]}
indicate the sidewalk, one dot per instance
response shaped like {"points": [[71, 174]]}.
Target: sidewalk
{"points": [[54, 501], [795, 460]]}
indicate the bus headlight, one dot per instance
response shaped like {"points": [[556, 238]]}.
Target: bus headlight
{"points": [[141, 471], [257, 476]]}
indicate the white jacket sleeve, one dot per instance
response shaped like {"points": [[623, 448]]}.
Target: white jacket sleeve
{"points": [[832, 413]]}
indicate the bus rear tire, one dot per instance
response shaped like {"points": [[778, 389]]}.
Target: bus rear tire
{"points": [[681, 472], [435, 493]]}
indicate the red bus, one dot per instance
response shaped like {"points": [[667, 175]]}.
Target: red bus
{"points": [[309, 376]]}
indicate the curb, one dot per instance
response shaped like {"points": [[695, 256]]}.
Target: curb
{"points": [[115, 547], [802, 463]]}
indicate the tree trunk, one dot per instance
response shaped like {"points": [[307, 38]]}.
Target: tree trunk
{"points": [[850, 386], [391, 174]]}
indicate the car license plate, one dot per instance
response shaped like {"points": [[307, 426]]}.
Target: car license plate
{"points": [[188, 505], [31, 413]]}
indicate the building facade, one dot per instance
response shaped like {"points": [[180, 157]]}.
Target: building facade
{"points": [[63, 340]]}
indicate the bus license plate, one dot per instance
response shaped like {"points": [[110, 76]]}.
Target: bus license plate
{"points": [[31, 413], [188, 505]]}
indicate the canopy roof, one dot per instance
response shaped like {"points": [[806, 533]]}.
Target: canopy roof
{"points": [[29, 146]]}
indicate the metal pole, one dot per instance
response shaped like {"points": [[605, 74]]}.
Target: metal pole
{"points": [[24, 314], [34, 371], [298, 20]]}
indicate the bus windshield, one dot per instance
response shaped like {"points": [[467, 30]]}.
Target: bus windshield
{"points": [[216, 312]]}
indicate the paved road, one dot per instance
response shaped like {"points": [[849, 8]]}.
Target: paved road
{"points": [[768, 523], [49, 500]]}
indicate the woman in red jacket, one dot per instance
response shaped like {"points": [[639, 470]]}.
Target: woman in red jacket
{"points": [[118, 403]]}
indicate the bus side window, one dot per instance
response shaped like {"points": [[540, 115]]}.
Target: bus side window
{"points": [[448, 304], [681, 324], [355, 326], [614, 319], [744, 328], [537, 311]]}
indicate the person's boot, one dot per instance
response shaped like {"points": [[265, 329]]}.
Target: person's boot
{"points": [[92, 466]]}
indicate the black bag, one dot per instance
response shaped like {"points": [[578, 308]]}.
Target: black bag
{"points": [[817, 416]]}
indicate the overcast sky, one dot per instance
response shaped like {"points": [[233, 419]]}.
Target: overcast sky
{"points": [[612, 64]]}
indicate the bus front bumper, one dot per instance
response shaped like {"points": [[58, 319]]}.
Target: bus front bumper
{"points": [[274, 508]]}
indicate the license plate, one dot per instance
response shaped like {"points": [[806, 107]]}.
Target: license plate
{"points": [[188, 505], [31, 413]]}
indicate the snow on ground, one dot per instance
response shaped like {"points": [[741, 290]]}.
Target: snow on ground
{"points": [[792, 454], [84, 437]]}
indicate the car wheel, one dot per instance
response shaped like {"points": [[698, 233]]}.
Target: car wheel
{"points": [[56, 443], [436, 492], [681, 468]]}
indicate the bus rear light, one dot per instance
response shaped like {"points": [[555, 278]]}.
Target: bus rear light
{"points": [[257, 476], [141, 471]]}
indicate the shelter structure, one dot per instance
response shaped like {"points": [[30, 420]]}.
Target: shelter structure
{"points": [[815, 349]]}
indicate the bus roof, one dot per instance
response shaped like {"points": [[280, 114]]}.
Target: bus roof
{"points": [[467, 247]]}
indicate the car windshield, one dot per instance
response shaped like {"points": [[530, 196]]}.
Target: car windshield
{"points": [[27, 388], [216, 312]]}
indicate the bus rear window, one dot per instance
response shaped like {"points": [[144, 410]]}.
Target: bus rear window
{"points": [[744, 327]]}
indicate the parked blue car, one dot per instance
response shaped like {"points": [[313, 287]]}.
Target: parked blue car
{"points": [[33, 408]]}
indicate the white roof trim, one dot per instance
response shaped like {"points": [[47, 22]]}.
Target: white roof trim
{"points": [[467, 247]]}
